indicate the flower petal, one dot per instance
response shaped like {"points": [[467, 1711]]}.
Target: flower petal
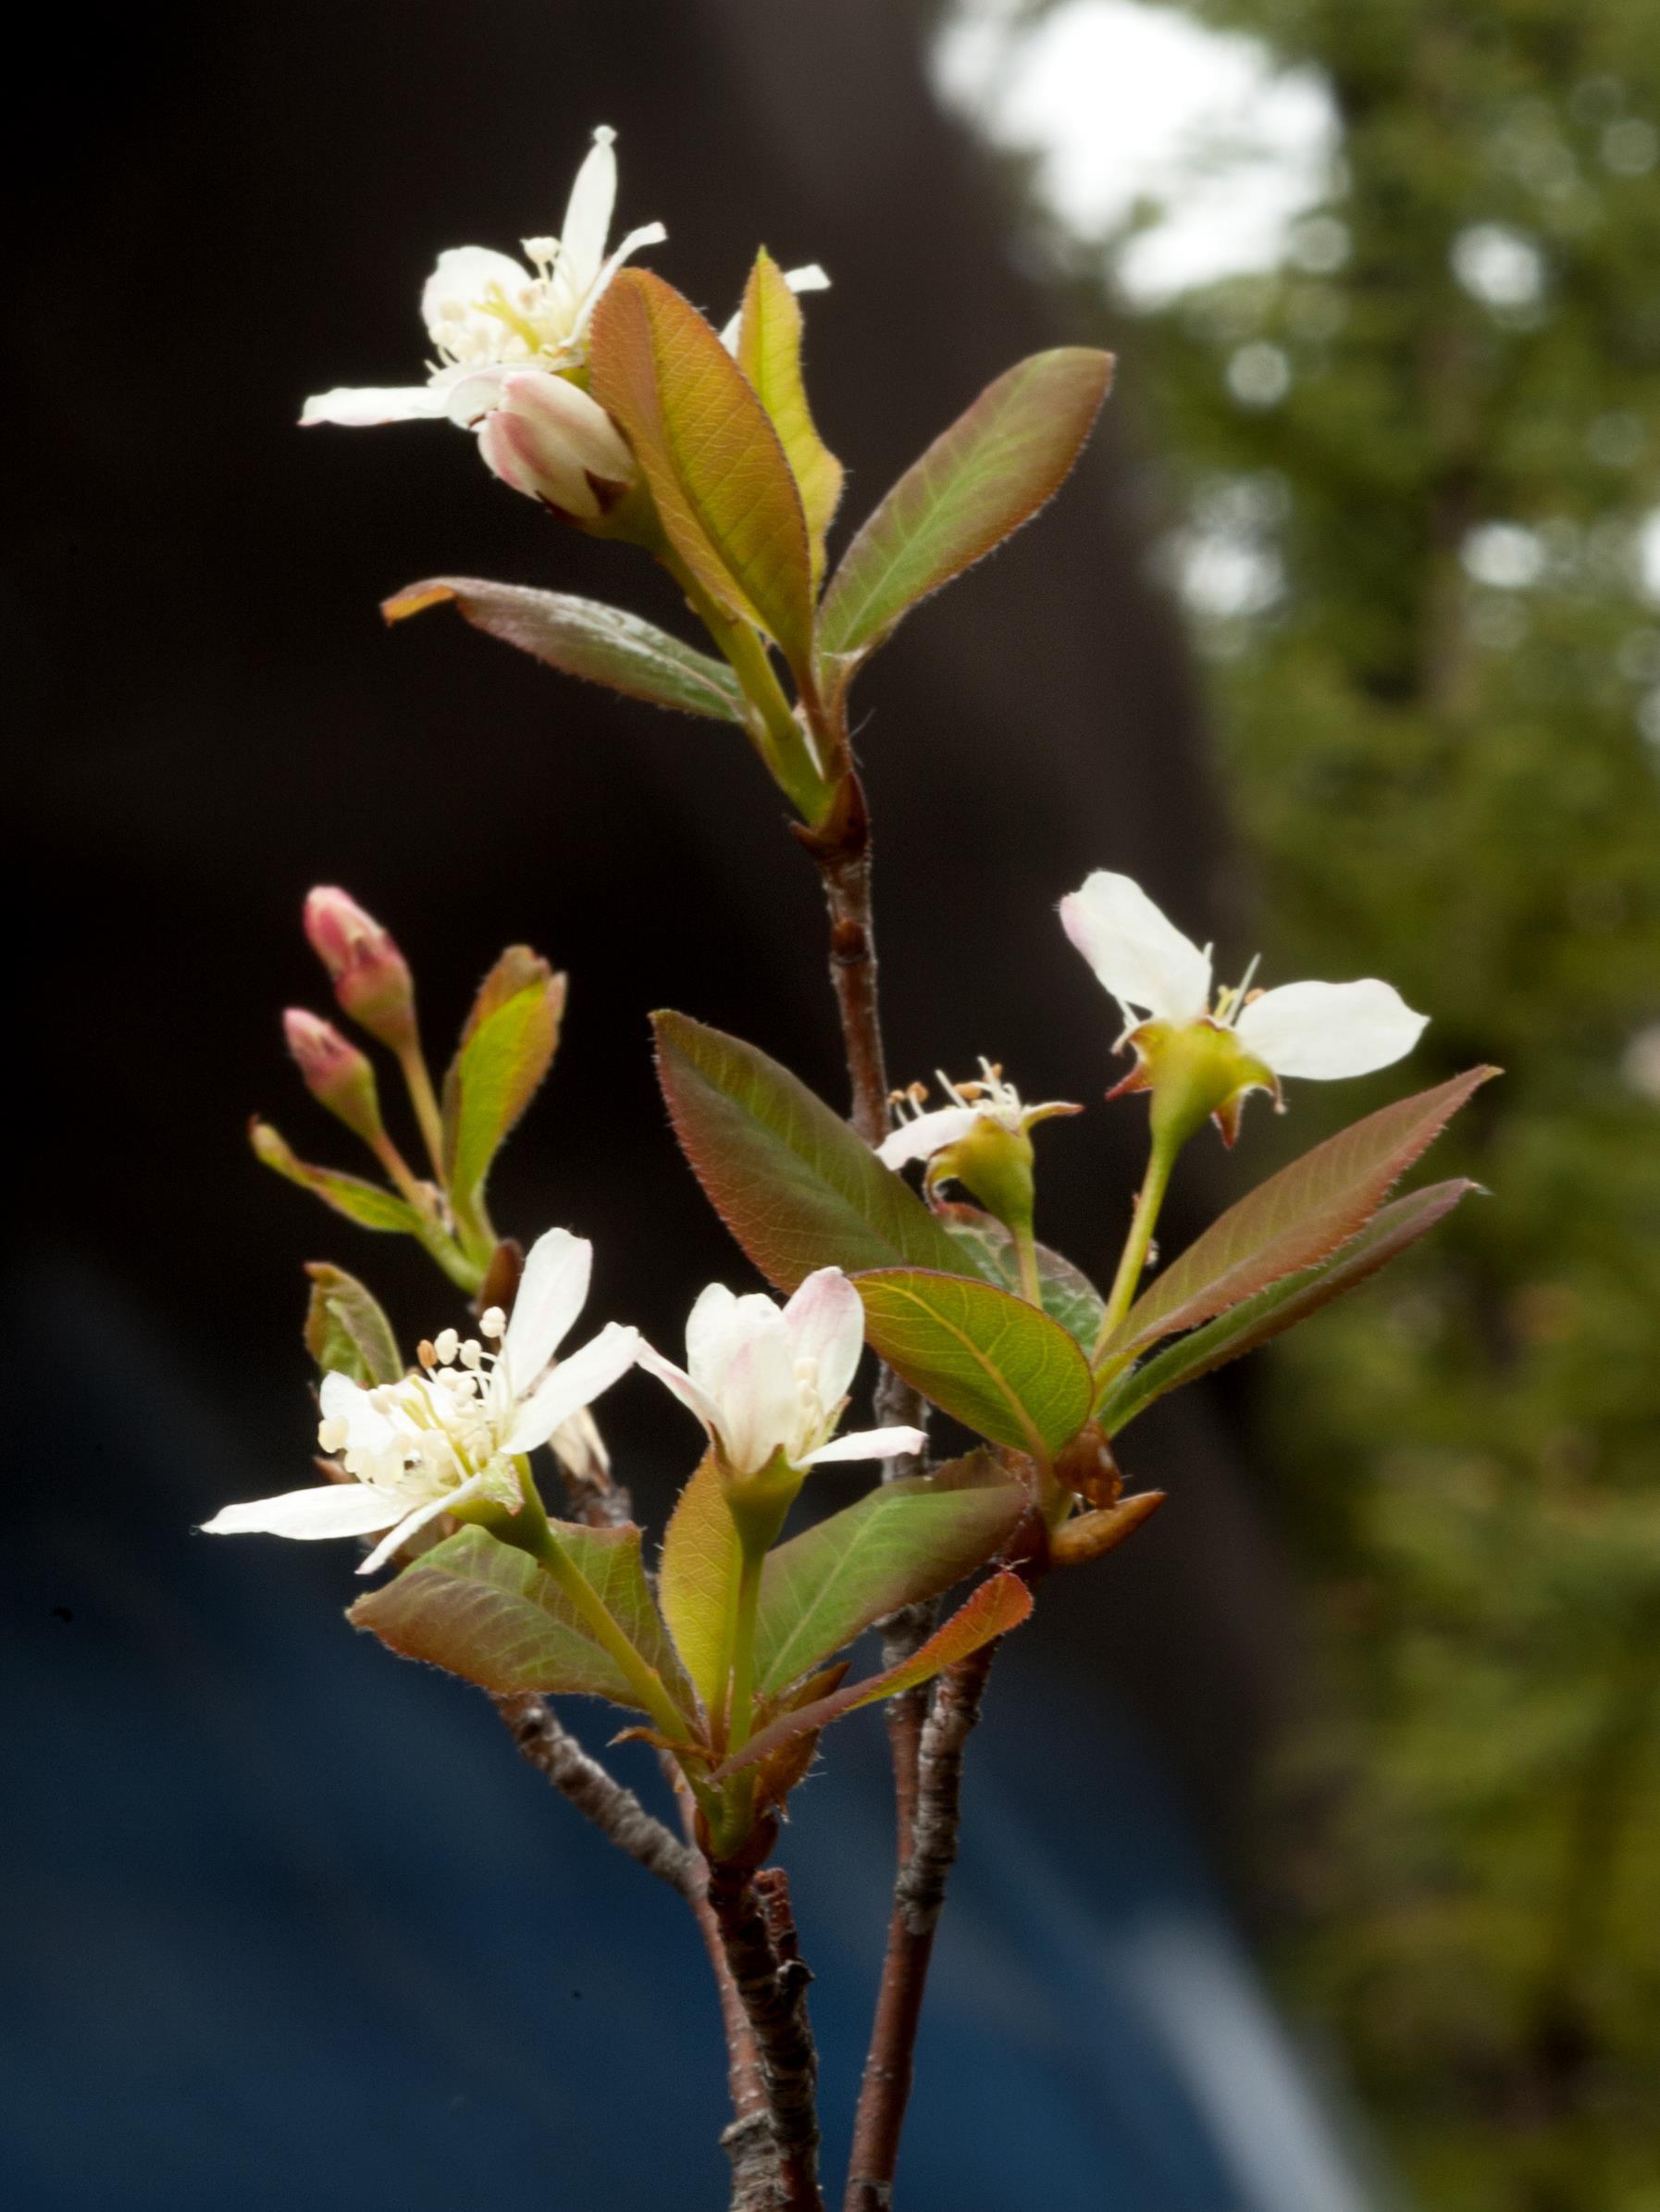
{"points": [[928, 1134], [825, 1320], [553, 1291], [336, 1510], [719, 1325], [360, 407], [681, 1384], [1327, 1030], [367, 1429], [406, 1528], [868, 1443], [574, 1384], [646, 234], [463, 277], [588, 215], [759, 1402], [1141, 956]]}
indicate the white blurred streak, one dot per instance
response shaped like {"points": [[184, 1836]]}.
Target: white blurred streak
{"points": [[1125, 104]]}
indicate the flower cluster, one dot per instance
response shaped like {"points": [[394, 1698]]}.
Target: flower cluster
{"points": [[509, 342], [450, 1432]]}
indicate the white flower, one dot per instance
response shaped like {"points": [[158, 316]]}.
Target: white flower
{"points": [[1323, 1031], [764, 1380], [931, 1131], [503, 333], [421, 1447]]}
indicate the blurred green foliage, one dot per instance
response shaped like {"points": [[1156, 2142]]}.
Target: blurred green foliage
{"points": [[1420, 458]]}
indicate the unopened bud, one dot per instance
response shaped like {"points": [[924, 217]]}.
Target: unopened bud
{"points": [[548, 438], [370, 976], [336, 1073]]}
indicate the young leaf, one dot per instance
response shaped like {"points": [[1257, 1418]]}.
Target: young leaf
{"points": [[791, 1181], [484, 1611], [583, 638], [769, 353], [365, 1203], [506, 1050], [907, 1541], [1069, 1295], [978, 481], [776, 1776], [346, 1331], [1299, 1216], [1243, 1327], [982, 1355], [998, 1606], [695, 1579], [709, 454]]}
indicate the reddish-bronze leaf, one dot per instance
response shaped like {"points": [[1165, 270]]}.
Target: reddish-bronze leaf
{"points": [[1243, 1327], [979, 480], [1295, 1219], [706, 446], [583, 638], [998, 1606]]}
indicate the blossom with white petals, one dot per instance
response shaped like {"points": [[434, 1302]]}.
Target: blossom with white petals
{"points": [[504, 335], [450, 1432], [931, 1133], [764, 1380], [1163, 984]]}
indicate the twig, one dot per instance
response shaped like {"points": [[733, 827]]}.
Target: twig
{"points": [[919, 1896], [756, 1935], [599, 1797], [841, 848]]}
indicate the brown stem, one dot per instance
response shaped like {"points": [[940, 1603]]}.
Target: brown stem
{"points": [[599, 1797], [919, 1896], [841, 848], [757, 1934]]}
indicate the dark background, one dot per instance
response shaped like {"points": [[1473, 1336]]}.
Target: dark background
{"points": [[284, 1938]]}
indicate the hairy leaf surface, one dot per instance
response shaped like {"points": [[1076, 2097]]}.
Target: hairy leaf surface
{"points": [[487, 1611], [769, 353], [1243, 1327], [585, 638], [998, 1604], [980, 1354], [990, 472], [346, 1332], [710, 454], [907, 1541], [1297, 1217], [794, 1184]]}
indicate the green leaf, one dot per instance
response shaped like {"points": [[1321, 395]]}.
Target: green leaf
{"points": [[998, 1604], [769, 353], [982, 1355], [909, 1540], [346, 1332], [583, 638], [507, 1048], [1299, 1216], [365, 1203], [695, 1579], [1069, 1295], [485, 1610], [710, 456], [990, 472], [1243, 1327], [796, 1187]]}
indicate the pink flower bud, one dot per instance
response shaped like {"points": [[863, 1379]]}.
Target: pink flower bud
{"points": [[548, 438], [336, 1073], [370, 976]]}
